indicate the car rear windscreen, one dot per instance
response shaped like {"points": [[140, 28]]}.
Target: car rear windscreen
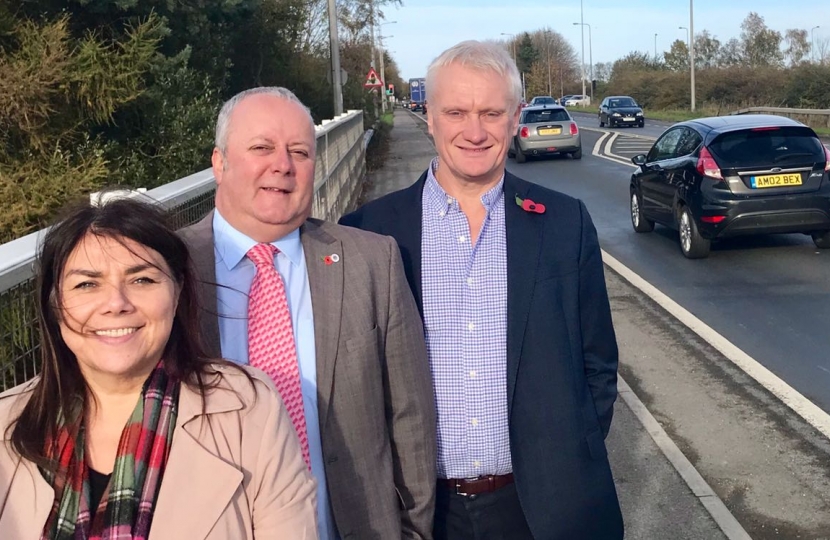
{"points": [[550, 115], [767, 147]]}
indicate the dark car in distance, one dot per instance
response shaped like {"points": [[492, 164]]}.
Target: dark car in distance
{"points": [[726, 176], [620, 111], [542, 100]]}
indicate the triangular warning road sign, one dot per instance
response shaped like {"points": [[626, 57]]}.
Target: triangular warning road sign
{"points": [[372, 80]]}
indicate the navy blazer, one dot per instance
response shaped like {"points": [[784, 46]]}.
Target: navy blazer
{"points": [[561, 353]]}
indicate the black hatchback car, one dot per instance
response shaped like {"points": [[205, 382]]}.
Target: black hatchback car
{"points": [[726, 176], [620, 111]]}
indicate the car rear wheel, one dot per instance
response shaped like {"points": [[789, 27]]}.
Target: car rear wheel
{"points": [[577, 154], [520, 157], [821, 239], [638, 219], [692, 244]]}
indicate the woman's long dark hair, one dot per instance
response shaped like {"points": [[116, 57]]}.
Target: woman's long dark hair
{"points": [[61, 386]]}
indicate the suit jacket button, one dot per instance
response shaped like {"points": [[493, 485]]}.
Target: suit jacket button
{"points": [[332, 459]]}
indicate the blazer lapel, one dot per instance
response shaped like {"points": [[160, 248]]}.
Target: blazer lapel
{"points": [[524, 241], [197, 486], [407, 229], [326, 283], [199, 238]]}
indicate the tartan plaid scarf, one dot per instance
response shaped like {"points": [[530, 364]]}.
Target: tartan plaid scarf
{"points": [[126, 508]]}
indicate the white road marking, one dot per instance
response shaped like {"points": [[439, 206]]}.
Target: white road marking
{"points": [[702, 490], [823, 369], [791, 397]]}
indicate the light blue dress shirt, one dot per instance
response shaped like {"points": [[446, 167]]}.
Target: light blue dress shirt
{"points": [[234, 275]]}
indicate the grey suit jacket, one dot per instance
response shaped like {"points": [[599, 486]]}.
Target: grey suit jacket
{"points": [[374, 388]]}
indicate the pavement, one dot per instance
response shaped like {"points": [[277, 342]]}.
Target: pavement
{"points": [[661, 493]]}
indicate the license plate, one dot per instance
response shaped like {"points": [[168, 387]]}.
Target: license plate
{"points": [[550, 131], [775, 180], [629, 118]]}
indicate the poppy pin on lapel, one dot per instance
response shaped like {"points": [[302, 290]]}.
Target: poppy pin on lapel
{"points": [[530, 206], [331, 259]]}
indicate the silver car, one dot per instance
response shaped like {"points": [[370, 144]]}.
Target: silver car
{"points": [[546, 130]]}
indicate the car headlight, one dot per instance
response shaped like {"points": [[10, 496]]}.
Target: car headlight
{"points": [[616, 114], [639, 114]]}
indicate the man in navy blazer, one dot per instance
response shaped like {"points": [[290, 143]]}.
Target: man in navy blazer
{"points": [[524, 368]]}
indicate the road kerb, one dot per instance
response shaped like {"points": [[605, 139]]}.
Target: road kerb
{"points": [[788, 395], [705, 494]]}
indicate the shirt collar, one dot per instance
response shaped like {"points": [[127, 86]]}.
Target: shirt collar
{"points": [[438, 199], [233, 245]]}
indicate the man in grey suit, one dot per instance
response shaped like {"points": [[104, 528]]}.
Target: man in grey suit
{"points": [[367, 392]]}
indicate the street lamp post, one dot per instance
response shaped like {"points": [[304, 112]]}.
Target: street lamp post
{"points": [[813, 43], [655, 47], [590, 57], [334, 44], [547, 49], [513, 43], [692, 48], [582, 36]]}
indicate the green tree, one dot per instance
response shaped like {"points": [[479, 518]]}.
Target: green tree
{"points": [[677, 57], [798, 46], [731, 54], [707, 49], [527, 54], [54, 92], [761, 45]]}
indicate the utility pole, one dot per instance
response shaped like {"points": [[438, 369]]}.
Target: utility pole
{"points": [[813, 43], [655, 48], [692, 48], [373, 61], [382, 72], [334, 43]]}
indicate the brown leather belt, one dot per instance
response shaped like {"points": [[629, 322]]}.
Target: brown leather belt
{"points": [[476, 486]]}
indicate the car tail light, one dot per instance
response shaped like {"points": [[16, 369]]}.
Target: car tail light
{"points": [[524, 133], [827, 153], [706, 165], [766, 128], [712, 219], [574, 129]]}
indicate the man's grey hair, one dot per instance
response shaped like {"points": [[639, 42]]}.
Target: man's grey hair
{"points": [[479, 56], [224, 119]]}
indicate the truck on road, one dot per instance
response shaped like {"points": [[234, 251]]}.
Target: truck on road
{"points": [[417, 94]]}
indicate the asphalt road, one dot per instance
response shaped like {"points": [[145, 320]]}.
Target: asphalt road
{"points": [[768, 295]]}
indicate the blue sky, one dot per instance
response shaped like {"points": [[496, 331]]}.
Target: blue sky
{"points": [[424, 28]]}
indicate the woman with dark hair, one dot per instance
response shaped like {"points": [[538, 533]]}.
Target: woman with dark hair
{"points": [[130, 432]]}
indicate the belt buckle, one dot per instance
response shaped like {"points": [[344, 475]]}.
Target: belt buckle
{"points": [[458, 486]]}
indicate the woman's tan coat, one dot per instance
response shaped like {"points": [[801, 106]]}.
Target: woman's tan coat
{"points": [[239, 476]]}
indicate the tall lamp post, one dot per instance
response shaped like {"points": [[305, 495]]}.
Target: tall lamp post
{"points": [[692, 48], [513, 43], [334, 44], [687, 33], [590, 57], [547, 49], [813, 43], [382, 64], [655, 47], [582, 40]]}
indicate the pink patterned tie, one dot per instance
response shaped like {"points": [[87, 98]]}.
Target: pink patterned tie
{"points": [[271, 345]]}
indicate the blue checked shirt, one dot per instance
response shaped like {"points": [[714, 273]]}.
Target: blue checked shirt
{"points": [[465, 318]]}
